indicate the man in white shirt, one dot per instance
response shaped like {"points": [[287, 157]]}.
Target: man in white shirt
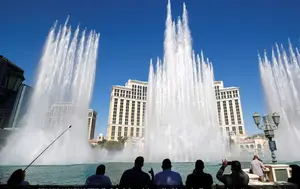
{"points": [[257, 168], [167, 177]]}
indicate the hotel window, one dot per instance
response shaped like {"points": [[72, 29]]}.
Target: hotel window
{"points": [[241, 130], [121, 111], [225, 113], [138, 113], [137, 132], [125, 131], [119, 131], [132, 112], [234, 130], [127, 112], [143, 115], [237, 107], [113, 130], [115, 111], [227, 128], [131, 131], [231, 112], [219, 113]]}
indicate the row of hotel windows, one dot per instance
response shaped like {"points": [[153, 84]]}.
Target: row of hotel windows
{"points": [[232, 115], [137, 92], [240, 131], [139, 132], [225, 94], [121, 112], [251, 146]]}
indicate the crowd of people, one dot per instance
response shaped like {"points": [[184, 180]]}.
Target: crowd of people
{"points": [[137, 178]]}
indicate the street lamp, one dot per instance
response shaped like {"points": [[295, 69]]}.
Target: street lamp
{"points": [[270, 123]]}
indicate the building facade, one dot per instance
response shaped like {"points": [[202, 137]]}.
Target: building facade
{"points": [[92, 116], [230, 114], [57, 113], [128, 105], [21, 106], [127, 110]]}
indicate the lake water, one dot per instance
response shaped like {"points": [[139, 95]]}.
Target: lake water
{"points": [[77, 174]]}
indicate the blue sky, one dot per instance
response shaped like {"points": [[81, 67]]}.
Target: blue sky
{"points": [[230, 32]]}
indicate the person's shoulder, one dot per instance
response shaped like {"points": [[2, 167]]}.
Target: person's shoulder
{"points": [[128, 171], [91, 177], [145, 174], [207, 175], [25, 183], [176, 173]]}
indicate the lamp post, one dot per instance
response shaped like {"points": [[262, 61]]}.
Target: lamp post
{"points": [[270, 123]]}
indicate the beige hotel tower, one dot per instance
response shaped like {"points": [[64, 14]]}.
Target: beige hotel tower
{"points": [[128, 105]]}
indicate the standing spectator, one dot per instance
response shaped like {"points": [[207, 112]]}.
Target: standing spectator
{"points": [[257, 168], [199, 179]]}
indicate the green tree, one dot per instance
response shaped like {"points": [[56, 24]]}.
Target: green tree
{"points": [[113, 145], [102, 143]]}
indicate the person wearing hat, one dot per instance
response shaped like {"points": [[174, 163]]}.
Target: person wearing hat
{"points": [[237, 179], [257, 168]]}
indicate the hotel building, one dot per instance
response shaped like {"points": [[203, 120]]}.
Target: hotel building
{"points": [[230, 114], [92, 116], [127, 110], [128, 105], [59, 111]]}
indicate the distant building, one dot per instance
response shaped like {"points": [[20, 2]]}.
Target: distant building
{"points": [[127, 110], [100, 137], [128, 105], [21, 106], [92, 116], [230, 114], [57, 113], [253, 145]]}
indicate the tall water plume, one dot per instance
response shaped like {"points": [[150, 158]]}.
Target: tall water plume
{"points": [[182, 119], [280, 77], [61, 97]]}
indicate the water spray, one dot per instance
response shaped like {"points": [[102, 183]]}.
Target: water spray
{"points": [[47, 147]]}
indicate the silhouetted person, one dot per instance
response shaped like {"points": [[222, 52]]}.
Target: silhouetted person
{"points": [[167, 177], [199, 179], [17, 179], [237, 179], [99, 179], [295, 177], [135, 177], [257, 168]]}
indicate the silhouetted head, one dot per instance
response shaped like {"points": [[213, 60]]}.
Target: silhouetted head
{"points": [[199, 165], [295, 171], [255, 157], [139, 162], [16, 177], [166, 164], [100, 170], [236, 166]]}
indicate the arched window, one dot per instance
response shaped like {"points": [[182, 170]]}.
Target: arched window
{"points": [[259, 146]]}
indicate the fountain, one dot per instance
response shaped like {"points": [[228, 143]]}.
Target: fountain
{"points": [[280, 80], [61, 97], [182, 119]]}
